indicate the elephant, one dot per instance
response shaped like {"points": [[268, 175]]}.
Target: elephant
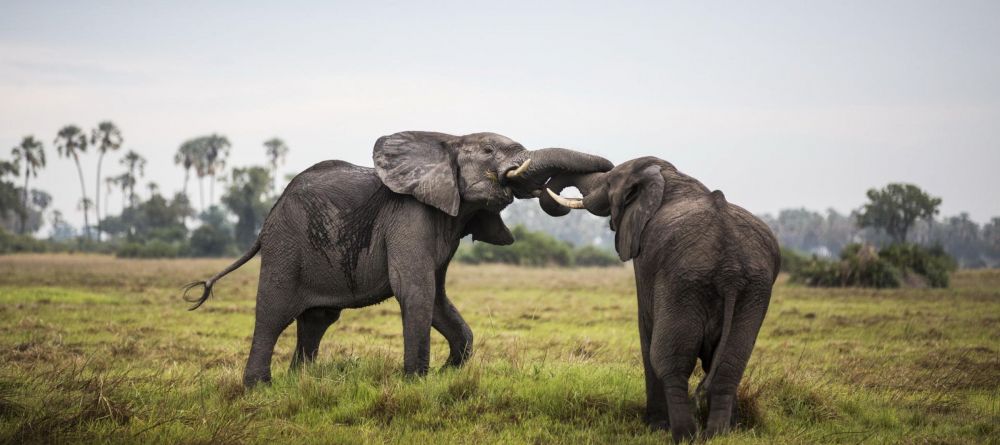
{"points": [[342, 236], [704, 270]]}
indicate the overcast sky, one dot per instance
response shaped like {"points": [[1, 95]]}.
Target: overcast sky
{"points": [[786, 105]]}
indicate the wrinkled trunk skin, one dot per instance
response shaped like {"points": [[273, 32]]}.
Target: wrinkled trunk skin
{"points": [[549, 162]]}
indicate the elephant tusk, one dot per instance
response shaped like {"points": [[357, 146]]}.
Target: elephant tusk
{"points": [[517, 172], [575, 203]]}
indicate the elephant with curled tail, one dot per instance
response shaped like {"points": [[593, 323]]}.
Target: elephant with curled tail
{"points": [[343, 236], [704, 269]]}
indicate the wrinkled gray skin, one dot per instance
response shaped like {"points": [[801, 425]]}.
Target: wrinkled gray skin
{"points": [[703, 270], [343, 236]]}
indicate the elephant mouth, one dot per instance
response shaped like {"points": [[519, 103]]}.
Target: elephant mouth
{"points": [[514, 172]]}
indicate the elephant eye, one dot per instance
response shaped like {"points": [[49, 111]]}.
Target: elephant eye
{"points": [[631, 195]]}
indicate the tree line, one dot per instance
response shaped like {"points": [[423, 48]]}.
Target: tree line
{"points": [[827, 234], [152, 223], [149, 223]]}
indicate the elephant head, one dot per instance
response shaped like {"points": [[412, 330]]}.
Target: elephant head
{"points": [[481, 170], [631, 194]]}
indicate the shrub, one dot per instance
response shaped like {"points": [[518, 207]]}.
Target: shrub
{"points": [[862, 265], [535, 249], [932, 263], [792, 261], [595, 256], [13, 243], [209, 240], [858, 266]]}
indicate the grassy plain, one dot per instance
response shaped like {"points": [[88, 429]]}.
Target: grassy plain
{"points": [[96, 349]]}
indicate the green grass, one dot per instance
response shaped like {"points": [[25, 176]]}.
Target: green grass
{"points": [[96, 349]]}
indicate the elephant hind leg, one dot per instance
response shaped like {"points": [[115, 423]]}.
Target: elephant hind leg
{"points": [[275, 311], [450, 324], [747, 318], [310, 326], [675, 343], [267, 329]]}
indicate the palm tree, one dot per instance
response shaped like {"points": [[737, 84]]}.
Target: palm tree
{"points": [[186, 157], [153, 188], [110, 184], [123, 182], [85, 204], [31, 154], [276, 151], [216, 150], [106, 137], [70, 142], [136, 166]]}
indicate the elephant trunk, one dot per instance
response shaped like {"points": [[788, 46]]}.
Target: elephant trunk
{"points": [[593, 186], [585, 182], [529, 170]]}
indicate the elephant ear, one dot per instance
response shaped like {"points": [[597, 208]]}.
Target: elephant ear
{"points": [[488, 227], [633, 202], [419, 164]]}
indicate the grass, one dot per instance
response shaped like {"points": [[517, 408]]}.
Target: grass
{"points": [[96, 349]]}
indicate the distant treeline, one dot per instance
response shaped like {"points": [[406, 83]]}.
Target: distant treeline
{"points": [[152, 223], [826, 235]]}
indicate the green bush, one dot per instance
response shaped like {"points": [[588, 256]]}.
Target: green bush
{"points": [[858, 266], [862, 265], [792, 261], [210, 241], [535, 249], [931, 263], [13, 243], [595, 256]]}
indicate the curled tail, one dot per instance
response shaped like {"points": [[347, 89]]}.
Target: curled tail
{"points": [[207, 285], [729, 294]]}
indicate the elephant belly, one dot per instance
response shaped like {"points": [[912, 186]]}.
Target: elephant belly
{"points": [[344, 283]]}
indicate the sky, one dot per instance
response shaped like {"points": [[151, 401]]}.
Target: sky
{"points": [[778, 104]]}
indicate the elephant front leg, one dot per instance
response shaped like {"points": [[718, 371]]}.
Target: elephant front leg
{"points": [[415, 292]]}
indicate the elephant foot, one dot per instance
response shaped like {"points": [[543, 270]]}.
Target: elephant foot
{"points": [[656, 420], [658, 425], [415, 373], [251, 380], [455, 361]]}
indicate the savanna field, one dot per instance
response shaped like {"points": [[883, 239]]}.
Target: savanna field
{"points": [[96, 349]]}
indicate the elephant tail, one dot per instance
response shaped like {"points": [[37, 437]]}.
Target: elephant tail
{"points": [[207, 285], [729, 294]]}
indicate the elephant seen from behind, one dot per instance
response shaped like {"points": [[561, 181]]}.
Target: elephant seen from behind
{"points": [[704, 269]]}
